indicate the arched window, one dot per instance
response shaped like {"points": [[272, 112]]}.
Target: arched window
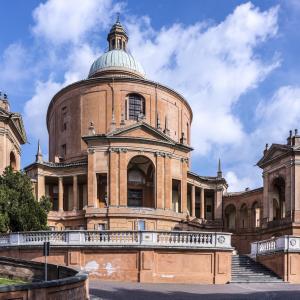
{"points": [[136, 106], [12, 161], [230, 217]]}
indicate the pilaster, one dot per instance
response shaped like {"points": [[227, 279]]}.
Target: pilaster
{"points": [[92, 180], [75, 192], [159, 180], [168, 183], [184, 168], [202, 204], [218, 203], [193, 196], [60, 194], [123, 177], [113, 177]]}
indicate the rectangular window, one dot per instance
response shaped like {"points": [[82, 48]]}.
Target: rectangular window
{"points": [[64, 113], [63, 150]]}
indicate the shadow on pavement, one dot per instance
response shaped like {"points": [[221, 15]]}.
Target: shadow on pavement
{"points": [[136, 294]]}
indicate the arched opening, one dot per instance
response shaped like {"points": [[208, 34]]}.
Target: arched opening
{"points": [[244, 216], [12, 161], [135, 107], [255, 215], [140, 182], [278, 200], [230, 217]]}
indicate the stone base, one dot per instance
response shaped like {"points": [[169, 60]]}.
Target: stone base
{"points": [[138, 265]]}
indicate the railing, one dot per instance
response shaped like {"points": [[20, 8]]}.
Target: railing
{"points": [[181, 239], [286, 243]]}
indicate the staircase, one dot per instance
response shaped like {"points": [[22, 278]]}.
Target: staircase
{"points": [[244, 269]]}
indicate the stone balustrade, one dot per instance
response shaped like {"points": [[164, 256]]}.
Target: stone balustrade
{"points": [[286, 243], [176, 239]]}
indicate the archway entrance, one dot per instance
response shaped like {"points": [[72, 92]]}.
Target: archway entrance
{"points": [[244, 216], [278, 200], [140, 182], [230, 217]]}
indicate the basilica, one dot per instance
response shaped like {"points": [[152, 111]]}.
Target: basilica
{"points": [[119, 159]]}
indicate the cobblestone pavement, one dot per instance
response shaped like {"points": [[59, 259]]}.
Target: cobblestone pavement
{"points": [[100, 290]]}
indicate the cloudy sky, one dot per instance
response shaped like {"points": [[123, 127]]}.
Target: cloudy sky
{"points": [[236, 62]]}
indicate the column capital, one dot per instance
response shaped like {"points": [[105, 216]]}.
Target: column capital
{"points": [[160, 154], [90, 150], [117, 149]]}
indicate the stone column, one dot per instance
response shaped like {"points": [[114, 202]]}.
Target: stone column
{"points": [[159, 180], [75, 192], [265, 196], [202, 204], [218, 203], [168, 183], [60, 194], [113, 178], [40, 189], [193, 214], [184, 168], [123, 177], [91, 179]]}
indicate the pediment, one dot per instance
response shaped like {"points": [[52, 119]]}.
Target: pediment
{"points": [[272, 153], [18, 124], [141, 131]]}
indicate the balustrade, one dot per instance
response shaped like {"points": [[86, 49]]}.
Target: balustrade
{"points": [[284, 243], [176, 239]]}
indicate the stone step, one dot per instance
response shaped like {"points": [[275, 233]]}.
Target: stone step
{"points": [[244, 269]]}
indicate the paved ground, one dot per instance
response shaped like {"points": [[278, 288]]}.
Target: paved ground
{"points": [[134, 291]]}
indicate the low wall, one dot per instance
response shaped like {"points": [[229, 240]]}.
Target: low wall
{"points": [[285, 265], [137, 265], [63, 282], [144, 256], [281, 255]]}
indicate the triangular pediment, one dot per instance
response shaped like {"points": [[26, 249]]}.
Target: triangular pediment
{"points": [[272, 153], [141, 130]]}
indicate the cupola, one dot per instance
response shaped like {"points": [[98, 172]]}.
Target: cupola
{"points": [[117, 61]]}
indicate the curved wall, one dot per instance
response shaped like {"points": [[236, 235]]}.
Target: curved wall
{"points": [[73, 108]]}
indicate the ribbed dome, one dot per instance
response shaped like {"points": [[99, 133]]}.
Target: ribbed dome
{"points": [[116, 60]]}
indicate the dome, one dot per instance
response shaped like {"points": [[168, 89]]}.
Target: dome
{"points": [[117, 60]]}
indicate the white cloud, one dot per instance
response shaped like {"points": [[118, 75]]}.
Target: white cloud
{"points": [[35, 109], [14, 64], [70, 20], [236, 183], [277, 116], [213, 66]]}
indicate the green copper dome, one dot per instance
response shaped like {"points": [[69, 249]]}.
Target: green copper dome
{"points": [[117, 60]]}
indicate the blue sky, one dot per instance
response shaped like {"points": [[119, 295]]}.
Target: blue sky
{"points": [[236, 62]]}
